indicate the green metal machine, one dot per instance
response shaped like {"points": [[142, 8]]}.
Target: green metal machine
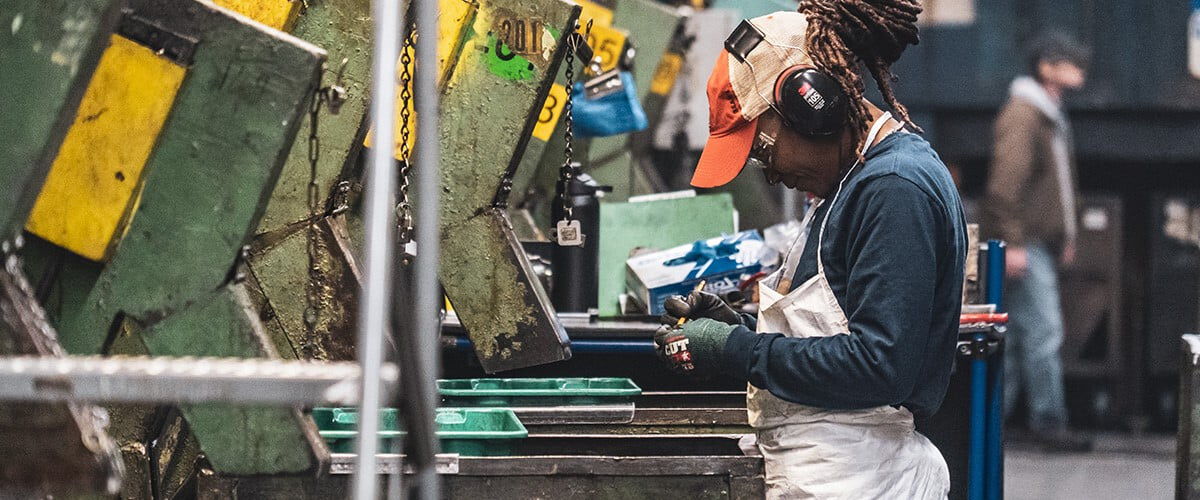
{"points": [[56, 45], [304, 244], [170, 282]]}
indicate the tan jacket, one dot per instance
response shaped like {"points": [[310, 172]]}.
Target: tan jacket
{"points": [[1023, 200]]}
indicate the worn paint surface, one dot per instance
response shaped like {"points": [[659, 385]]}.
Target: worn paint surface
{"points": [[482, 137], [93, 183], [282, 276], [50, 448], [206, 185], [243, 440], [343, 28], [454, 20], [49, 49], [278, 14]]}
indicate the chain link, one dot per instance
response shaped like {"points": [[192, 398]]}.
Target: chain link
{"points": [[404, 216]]}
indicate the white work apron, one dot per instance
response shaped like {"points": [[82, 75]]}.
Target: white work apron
{"points": [[815, 453]]}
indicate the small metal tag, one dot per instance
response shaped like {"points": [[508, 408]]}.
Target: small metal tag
{"points": [[604, 85], [568, 233]]}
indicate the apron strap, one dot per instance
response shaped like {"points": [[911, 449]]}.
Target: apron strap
{"points": [[875, 128], [795, 251]]}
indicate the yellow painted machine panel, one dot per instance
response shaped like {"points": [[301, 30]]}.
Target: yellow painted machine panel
{"points": [[608, 42], [454, 17], [94, 182], [556, 100], [278, 14], [598, 14], [666, 73]]}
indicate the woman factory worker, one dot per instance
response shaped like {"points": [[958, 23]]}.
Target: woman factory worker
{"points": [[856, 332]]}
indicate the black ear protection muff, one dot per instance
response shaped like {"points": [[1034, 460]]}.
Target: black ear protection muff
{"points": [[811, 102]]}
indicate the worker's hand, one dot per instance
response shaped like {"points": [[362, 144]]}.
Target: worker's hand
{"points": [[1016, 262], [698, 305], [696, 348]]}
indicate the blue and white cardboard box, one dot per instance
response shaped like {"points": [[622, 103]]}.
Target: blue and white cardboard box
{"points": [[724, 262]]}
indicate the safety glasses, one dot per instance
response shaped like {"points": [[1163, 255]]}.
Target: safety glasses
{"points": [[762, 154]]}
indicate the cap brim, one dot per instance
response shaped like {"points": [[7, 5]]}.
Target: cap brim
{"points": [[724, 156]]}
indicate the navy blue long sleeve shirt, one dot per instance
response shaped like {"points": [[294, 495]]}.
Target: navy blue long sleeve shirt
{"points": [[894, 253]]}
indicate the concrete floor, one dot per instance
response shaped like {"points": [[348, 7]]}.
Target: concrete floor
{"points": [[1121, 467]]}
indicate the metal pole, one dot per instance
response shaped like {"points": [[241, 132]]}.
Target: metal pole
{"points": [[994, 471], [377, 255], [977, 453], [428, 296]]}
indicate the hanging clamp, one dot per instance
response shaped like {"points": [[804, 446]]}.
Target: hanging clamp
{"points": [[335, 95]]}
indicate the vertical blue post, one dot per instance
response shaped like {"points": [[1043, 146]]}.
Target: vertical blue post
{"points": [[977, 443], [994, 454]]}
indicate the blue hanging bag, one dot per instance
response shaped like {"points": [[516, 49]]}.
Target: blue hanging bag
{"points": [[607, 105]]}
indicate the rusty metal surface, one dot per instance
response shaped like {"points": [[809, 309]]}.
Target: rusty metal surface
{"points": [[562, 476], [56, 448], [283, 277], [483, 133]]}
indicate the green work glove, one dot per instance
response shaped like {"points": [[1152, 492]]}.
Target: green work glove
{"points": [[699, 305], [695, 348]]}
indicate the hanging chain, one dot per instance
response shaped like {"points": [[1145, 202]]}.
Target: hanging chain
{"points": [[404, 215], [316, 290], [313, 290], [566, 173]]}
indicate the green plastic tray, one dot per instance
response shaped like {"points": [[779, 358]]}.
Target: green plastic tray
{"points": [[509, 392], [474, 432]]}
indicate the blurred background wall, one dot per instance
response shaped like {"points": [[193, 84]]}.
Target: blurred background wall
{"points": [[1136, 284]]}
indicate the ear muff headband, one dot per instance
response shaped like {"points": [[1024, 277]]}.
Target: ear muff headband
{"points": [[811, 102]]}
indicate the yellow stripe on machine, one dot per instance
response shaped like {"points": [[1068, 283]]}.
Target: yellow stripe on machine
{"points": [[278, 14], [666, 73], [592, 11], [454, 17], [94, 183]]}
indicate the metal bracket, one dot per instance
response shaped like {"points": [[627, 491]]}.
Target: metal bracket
{"points": [[979, 347], [169, 44], [387, 463], [571, 415]]}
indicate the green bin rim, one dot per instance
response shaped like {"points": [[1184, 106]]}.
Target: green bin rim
{"points": [[631, 389], [518, 432]]}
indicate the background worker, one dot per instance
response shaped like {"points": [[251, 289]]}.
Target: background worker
{"points": [[856, 332], [1031, 200]]}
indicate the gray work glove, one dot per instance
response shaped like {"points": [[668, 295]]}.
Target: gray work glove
{"points": [[695, 348]]}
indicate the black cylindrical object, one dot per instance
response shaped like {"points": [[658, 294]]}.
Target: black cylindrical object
{"points": [[576, 268]]}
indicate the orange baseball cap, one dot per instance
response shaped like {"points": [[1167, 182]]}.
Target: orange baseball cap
{"points": [[738, 94]]}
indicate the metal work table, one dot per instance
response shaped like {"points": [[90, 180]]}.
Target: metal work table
{"points": [[663, 443], [709, 467]]}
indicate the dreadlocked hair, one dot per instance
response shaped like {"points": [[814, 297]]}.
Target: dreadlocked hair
{"points": [[844, 33]]}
